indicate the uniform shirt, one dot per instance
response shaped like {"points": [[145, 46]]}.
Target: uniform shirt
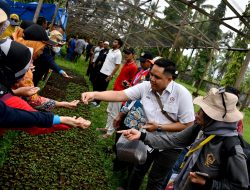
{"points": [[127, 73], [113, 58], [96, 53], [176, 100]]}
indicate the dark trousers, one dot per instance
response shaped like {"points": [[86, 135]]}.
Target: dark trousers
{"points": [[163, 162], [122, 169], [100, 84]]}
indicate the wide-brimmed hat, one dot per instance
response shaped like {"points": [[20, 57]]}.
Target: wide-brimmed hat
{"points": [[37, 33], [3, 16], [220, 105]]}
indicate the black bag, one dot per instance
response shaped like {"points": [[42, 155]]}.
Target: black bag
{"points": [[229, 144]]}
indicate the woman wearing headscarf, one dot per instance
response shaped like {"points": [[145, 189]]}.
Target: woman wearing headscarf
{"points": [[37, 43], [209, 163], [15, 60]]}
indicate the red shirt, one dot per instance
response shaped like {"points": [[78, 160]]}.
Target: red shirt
{"points": [[127, 73]]}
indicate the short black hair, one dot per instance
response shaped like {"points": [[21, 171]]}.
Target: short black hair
{"points": [[41, 20], [232, 90], [168, 65], [120, 42]]}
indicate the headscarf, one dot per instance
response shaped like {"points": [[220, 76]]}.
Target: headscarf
{"points": [[15, 60]]}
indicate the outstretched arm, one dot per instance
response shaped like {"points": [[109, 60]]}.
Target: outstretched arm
{"points": [[164, 140], [108, 96]]}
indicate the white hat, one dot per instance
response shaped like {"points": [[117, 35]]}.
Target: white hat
{"points": [[106, 42], [217, 108], [3, 16]]}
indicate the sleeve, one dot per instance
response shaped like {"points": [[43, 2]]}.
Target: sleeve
{"points": [[177, 140], [237, 174], [118, 59], [53, 65], [46, 58], [11, 117], [186, 108], [135, 92]]}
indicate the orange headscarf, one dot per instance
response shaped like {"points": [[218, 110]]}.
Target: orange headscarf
{"points": [[36, 45]]}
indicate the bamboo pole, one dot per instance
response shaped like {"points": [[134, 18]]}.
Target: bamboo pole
{"points": [[38, 9]]}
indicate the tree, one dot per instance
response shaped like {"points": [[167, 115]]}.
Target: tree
{"points": [[206, 56], [236, 62]]}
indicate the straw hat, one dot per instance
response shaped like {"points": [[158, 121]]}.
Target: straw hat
{"points": [[212, 105], [3, 16]]}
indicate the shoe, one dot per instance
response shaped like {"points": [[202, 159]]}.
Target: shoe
{"points": [[102, 129], [95, 104]]}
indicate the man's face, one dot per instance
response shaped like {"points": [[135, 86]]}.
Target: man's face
{"points": [[145, 65], [106, 46], [100, 44], [159, 81], [199, 117], [128, 57], [115, 44]]}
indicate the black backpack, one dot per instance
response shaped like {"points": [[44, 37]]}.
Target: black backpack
{"points": [[228, 149]]}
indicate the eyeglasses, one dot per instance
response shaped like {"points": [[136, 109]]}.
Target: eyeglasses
{"points": [[222, 92]]}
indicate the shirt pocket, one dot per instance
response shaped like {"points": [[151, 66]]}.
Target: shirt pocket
{"points": [[172, 108]]}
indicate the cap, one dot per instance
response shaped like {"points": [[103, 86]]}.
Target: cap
{"points": [[36, 32], [145, 55], [129, 50], [3, 16], [106, 42]]}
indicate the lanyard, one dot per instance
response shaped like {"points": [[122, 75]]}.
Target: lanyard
{"points": [[192, 150]]}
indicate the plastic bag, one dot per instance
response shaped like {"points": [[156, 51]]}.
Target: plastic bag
{"points": [[131, 151]]}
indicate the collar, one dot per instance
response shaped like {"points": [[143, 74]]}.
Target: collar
{"points": [[130, 62], [168, 89], [114, 50]]}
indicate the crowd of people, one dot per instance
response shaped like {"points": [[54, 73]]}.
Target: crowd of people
{"points": [[144, 96], [23, 47]]}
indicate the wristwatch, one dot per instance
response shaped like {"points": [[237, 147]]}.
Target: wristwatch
{"points": [[159, 128]]}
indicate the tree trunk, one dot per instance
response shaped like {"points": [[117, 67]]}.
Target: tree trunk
{"points": [[244, 103], [242, 71], [38, 9], [204, 74], [189, 59], [55, 13]]}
